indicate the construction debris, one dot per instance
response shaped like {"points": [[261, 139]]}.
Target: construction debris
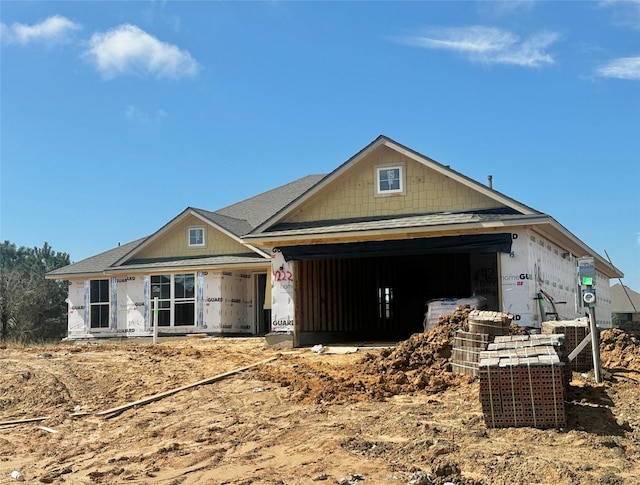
{"points": [[156, 397]]}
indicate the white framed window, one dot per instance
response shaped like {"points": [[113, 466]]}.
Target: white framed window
{"points": [[176, 299], [99, 302], [390, 179], [195, 236]]}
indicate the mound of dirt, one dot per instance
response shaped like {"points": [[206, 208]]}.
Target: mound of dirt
{"points": [[620, 349], [420, 363]]}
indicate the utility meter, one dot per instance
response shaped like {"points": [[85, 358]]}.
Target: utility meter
{"points": [[589, 297]]}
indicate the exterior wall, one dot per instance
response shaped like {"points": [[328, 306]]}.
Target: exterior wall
{"points": [[536, 264], [354, 194], [76, 310], [224, 304], [228, 302], [175, 244], [282, 289]]}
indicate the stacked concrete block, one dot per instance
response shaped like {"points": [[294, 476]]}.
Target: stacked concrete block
{"points": [[522, 383], [466, 350], [574, 332], [488, 322]]}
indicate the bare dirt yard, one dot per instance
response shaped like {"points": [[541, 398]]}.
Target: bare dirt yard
{"points": [[373, 416]]}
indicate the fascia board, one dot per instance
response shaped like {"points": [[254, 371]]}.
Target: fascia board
{"points": [[396, 233], [74, 276], [561, 236], [172, 269]]}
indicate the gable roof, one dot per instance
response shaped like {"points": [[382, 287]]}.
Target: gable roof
{"points": [[259, 220], [624, 299], [234, 220], [428, 162]]}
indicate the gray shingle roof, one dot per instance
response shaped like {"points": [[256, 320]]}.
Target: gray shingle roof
{"points": [[239, 219], [421, 220], [255, 210], [97, 263], [620, 301]]}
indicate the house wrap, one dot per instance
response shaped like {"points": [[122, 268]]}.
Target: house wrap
{"points": [[351, 255]]}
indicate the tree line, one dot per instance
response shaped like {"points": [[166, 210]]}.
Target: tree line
{"points": [[32, 308]]}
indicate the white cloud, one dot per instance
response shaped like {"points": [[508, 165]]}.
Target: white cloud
{"points": [[622, 68], [127, 49], [490, 45], [142, 117], [53, 30], [625, 12]]}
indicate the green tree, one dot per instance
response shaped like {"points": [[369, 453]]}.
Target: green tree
{"points": [[31, 307]]}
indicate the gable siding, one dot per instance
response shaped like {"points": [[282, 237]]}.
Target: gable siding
{"points": [[174, 243], [353, 195]]}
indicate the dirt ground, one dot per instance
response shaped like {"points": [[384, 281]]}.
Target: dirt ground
{"points": [[378, 416]]}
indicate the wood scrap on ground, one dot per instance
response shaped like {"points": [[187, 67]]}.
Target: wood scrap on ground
{"points": [[22, 421], [156, 397]]}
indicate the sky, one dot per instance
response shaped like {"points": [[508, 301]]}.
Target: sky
{"points": [[116, 116]]}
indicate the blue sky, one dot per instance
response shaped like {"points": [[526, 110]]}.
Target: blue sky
{"points": [[116, 116]]}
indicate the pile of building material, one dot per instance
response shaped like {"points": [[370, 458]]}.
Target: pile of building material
{"points": [[465, 352], [467, 345], [447, 306], [490, 323], [574, 332], [522, 382]]}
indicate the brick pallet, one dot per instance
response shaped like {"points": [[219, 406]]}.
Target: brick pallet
{"points": [[489, 322], [465, 353], [554, 343], [522, 386], [574, 332]]}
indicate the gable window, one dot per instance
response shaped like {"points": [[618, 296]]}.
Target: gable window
{"points": [[99, 302], [176, 299], [196, 236], [390, 179]]}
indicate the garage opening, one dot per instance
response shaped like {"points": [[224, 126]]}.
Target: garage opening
{"points": [[346, 296]]}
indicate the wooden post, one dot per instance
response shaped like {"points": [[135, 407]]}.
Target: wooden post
{"points": [[155, 320]]}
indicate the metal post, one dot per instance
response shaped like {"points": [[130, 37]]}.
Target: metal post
{"points": [[155, 320], [595, 345]]}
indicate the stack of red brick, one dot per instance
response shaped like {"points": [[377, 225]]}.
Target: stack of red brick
{"points": [[574, 332], [522, 382]]}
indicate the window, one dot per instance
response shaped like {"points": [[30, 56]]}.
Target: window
{"points": [[390, 179], [176, 299], [99, 302], [184, 299], [196, 236], [385, 303]]}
